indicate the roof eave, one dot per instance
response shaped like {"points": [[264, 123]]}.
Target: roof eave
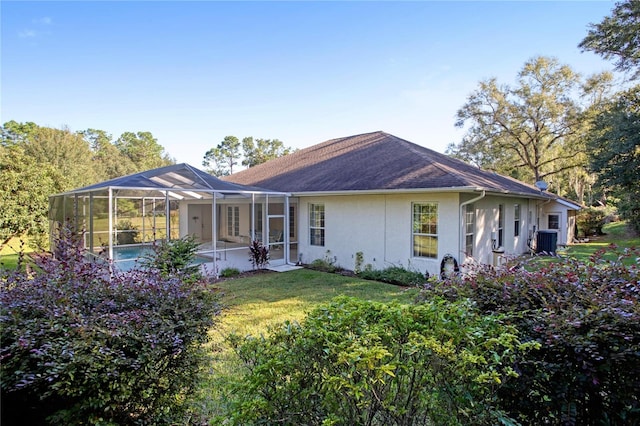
{"points": [[466, 189]]}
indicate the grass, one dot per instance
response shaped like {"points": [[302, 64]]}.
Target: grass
{"points": [[614, 233], [10, 253], [255, 303]]}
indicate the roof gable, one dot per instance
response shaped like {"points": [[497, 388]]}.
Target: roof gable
{"points": [[370, 162]]}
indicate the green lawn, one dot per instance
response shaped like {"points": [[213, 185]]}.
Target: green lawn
{"points": [[614, 233], [254, 303], [9, 253]]}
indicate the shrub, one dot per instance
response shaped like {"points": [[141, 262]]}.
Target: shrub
{"points": [[175, 257], [82, 346], [356, 362], [326, 264], [230, 272], [394, 275], [586, 316], [591, 220], [128, 232], [258, 254]]}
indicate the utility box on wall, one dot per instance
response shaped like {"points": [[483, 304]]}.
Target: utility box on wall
{"points": [[547, 241]]}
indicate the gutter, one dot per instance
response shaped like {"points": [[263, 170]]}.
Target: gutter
{"points": [[461, 227], [459, 189]]}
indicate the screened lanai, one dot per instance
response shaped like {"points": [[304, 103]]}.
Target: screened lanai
{"points": [[121, 219]]}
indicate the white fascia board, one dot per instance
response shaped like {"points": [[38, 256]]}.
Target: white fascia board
{"points": [[465, 189]]}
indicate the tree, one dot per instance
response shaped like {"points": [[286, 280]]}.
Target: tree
{"points": [[262, 150], [65, 151], [108, 160], [220, 160], [143, 150], [615, 152], [25, 186], [531, 131], [618, 37]]}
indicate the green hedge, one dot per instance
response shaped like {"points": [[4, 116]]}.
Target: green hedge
{"points": [[354, 362]]}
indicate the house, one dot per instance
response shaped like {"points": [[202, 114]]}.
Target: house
{"points": [[374, 197], [392, 202]]}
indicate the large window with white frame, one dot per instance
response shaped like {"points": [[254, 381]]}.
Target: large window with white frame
{"points": [[516, 220], [425, 230], [469, 228], [316, 224]]}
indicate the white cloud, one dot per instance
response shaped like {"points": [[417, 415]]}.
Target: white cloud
{"points": [[28, 33], [43, 21]]}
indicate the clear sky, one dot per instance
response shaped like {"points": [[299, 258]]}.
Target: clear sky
{"points": [[192, 73]]}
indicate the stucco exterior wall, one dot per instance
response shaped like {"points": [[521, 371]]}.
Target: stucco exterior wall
{"points": [[487, 227], [379, 226]]}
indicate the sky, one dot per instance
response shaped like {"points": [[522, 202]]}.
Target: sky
{"points": [[192, 73]]}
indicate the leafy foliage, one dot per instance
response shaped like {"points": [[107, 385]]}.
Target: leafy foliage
{"points": [[357, 362], [230, 272], [586, 316], [127, 232], [82, 346], [262, 150], [394, 275], [25, 187], [591, 220], [532, 130], [258, 254], [143, 150], [220, 160], [618, 37], [615, 147], [175, 257]]}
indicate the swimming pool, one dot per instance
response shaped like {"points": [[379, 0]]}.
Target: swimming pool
{"points": [[127, 257]]}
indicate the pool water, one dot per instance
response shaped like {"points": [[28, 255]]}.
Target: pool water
{"points": [[126, 258]]}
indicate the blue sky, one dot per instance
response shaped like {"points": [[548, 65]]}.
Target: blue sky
{"points": [[302, 72]]}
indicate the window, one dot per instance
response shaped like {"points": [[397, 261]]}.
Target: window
{"points": [[316, 224], [425, 230], [500, 225], [516, 220], [469, 228], [292, 222], [554, 221], [233, 221]]}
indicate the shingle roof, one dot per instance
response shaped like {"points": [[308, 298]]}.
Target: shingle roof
{"points": [[371, 162]]}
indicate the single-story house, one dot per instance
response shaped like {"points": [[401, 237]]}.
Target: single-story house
{"points": [[388, 201], [372, 198]]}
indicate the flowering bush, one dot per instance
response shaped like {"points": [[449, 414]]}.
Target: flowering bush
{"points": [[80, 345], [586, 316]]}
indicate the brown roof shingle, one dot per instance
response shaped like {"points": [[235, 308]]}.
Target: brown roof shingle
{"points": [[370, 162]]}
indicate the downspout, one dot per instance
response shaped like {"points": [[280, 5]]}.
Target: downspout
{"points": [[461, 227]]}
